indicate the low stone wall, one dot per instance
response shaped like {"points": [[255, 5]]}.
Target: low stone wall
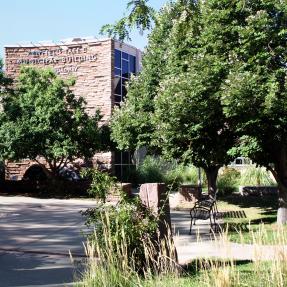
{"points": [[114, 195], [16, 170], [258, 190], [189, 193], [155, 197]]}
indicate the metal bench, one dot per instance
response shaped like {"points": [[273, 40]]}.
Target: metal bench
{"points": [[204, 209]]}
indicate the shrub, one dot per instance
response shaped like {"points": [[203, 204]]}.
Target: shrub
{"points": [[124, 247], [153, 169], [156, 169], [128, 224], [256, 176], [101, 183], [227, 181], [187, 174]]}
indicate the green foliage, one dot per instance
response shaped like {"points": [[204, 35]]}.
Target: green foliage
{"points": [[157, 169], [228, 181], [186, 174], [255, 93], [129, 130], [153, 169], [5, 82], [174, 105], [43, 118], [101, 183], [128, 224], [214, 76], [256, 176], [140, 16]]}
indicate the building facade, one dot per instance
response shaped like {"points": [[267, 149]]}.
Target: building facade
{"points": [[101, 69]]}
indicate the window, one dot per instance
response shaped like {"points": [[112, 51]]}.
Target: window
{"points": [[124, 165], [125, 65], [118, 59], [118, 72], [132, 61]]}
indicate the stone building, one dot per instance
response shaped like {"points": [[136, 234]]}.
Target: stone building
{"points": [[101, 69]]}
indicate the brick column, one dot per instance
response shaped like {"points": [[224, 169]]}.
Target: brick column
{"points": [[155, 197]]}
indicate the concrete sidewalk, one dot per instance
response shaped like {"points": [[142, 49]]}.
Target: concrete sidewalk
{"points": [[204, 244], [36, 239], [37, 236]]}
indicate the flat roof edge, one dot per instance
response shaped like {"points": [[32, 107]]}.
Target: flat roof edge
{"points": [[64, 42]]}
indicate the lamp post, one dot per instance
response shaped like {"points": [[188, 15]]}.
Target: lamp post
{"points": [[199, 182]]}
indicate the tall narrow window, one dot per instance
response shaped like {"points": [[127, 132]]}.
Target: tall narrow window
{"points": [[125, 66]]}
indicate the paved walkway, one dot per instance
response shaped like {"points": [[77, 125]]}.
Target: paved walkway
{"points": [[36, 238], [38, 235], [204, 244]]}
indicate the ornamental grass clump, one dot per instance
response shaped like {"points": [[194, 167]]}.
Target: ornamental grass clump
{"points": [[256, 176], [109, 266], [129, 218], [119, 255]]}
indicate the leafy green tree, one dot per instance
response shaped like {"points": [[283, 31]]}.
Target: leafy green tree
{"points": [[130, 130], [5, 82], [141, 17], [174, 104], [250, 38], [43, 118], [255, 93]]}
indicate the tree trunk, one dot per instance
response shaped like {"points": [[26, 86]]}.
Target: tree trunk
{"points": [[280, 174], [211, 175], [282, 204]]}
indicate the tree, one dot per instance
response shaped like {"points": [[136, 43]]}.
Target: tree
{"points": [[255, 93], [129, 130], [5, 82], [141, 17], [174, 104], [43, 118]]}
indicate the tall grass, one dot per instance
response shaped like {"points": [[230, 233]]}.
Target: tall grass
{"points": [[227, 181], [256, 176], [111, 265], [157, 169], [113, 268]]}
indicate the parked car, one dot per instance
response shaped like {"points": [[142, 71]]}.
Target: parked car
{"points": [[70, 174]]}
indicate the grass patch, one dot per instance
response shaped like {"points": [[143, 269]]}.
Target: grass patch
{"points": [[113, 266], [259, 211]]}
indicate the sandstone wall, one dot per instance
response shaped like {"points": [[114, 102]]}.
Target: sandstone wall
{"points": [[91, 63]]}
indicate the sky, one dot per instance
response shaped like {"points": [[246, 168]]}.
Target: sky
{"points": [[54, 20]]}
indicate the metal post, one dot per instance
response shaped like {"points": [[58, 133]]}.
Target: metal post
{"points": [[199, 181]]}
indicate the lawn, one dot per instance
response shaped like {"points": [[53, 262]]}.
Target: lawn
{"points": [[260, 222], [208, 273]]}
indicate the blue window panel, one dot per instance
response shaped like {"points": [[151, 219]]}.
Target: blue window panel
{"points": [[125, 69], [132, 60], [118, 72], [118, 58], [125, 56], [117, 86]]}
